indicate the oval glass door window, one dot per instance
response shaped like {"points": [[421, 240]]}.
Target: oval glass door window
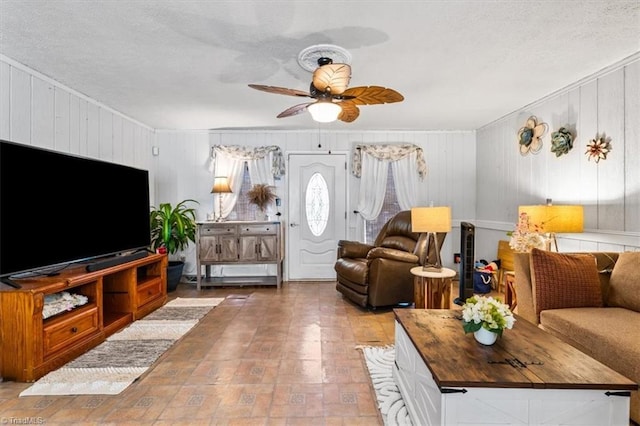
{"points": [[317, 204]]}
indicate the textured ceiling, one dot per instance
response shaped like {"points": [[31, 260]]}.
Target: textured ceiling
{"points": [[186, 64]]}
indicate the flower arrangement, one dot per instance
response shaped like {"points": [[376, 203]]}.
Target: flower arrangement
{"points": [[488, 313], [261, 195], [526, 236]]}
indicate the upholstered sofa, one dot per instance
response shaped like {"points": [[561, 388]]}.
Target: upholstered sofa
{"points": [[589, 300], [379, 274]]}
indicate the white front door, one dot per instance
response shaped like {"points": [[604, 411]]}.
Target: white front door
{"points": [[317, 214]]}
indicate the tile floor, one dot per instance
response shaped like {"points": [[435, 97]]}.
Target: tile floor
{"points": [[262, 357]]}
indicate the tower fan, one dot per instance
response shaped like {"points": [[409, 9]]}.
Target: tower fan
{"points": [[467, 244]]}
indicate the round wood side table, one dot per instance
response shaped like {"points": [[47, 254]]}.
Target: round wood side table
{"points": [[432, 290]]}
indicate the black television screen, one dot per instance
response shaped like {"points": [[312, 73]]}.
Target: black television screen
{"points": [[57, 209]]}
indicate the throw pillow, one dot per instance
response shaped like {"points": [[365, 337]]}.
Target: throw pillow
{"points": [[564, 280], [624, 283]]}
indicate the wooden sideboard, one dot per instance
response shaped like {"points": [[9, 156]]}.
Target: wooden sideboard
{"points": [[32, 346], [236, 242]]}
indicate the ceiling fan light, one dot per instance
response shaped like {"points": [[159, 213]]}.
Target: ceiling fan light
{"points": [[324, 112]]}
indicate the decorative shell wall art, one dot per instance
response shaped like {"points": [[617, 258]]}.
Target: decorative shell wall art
{"points": [[561, 141], [598, 149], [529, 136]]}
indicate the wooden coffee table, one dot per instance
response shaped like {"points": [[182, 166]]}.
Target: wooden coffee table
{"points": [[527, 377]]}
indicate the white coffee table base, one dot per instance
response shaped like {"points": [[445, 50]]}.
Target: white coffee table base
{"points": [[428, 405]]}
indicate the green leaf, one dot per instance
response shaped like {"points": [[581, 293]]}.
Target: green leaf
{"points": [[172, 227], [470, 327]]}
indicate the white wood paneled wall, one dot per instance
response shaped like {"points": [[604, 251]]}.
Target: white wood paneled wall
{"points": [[480, 174], [604, 105], [182, 170], [36, 110]]}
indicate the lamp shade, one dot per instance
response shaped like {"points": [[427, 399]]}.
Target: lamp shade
{"points": [[220, 185], [431, 219], [324, 111], [555, 218]]}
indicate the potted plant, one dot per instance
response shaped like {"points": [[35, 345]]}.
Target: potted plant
{"points": [[261, 195], [172, 228], [486, 318]]}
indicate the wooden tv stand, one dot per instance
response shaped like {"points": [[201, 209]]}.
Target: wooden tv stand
{"points": [[32, 346]]}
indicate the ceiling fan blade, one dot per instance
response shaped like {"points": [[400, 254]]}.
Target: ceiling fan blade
{"points": [[373, 95], [280, 90], [333, 78], [349, 111], [294, 110]]}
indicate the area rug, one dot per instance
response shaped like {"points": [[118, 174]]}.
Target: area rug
{"points": [[113, 365], [380, 361]]}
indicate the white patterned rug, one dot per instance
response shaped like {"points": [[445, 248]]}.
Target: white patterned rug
{"points": [[113, 365], [380, 361]]}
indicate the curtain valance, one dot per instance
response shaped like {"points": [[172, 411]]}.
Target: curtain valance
{"points": [[389, 152], [247, 153]]}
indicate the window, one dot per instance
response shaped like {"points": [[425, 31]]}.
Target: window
{"points": [[317, 204], [390, 207]]}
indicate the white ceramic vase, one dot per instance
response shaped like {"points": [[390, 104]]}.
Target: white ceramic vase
{"points": [[485, 336]]}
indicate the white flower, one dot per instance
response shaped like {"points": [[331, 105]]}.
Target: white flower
{"points": [[486, 312]]}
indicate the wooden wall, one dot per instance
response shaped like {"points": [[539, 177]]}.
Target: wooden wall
{"points": [[450, 156], [36, 110], [480, 174], [606, 104]]}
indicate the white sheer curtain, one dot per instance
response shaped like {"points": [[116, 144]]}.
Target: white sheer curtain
{"points": [[233, 168], [370, 163], [264, 163], [406, 181], [373, 184]]}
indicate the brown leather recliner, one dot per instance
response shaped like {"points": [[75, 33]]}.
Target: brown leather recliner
{"points": [[379, 274]]}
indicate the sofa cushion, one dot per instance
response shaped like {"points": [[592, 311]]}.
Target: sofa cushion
{"points": [[564, 280], [392, 254], [609, 335], [399, 242], [624, 283]]}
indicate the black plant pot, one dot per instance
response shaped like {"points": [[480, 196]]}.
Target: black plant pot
{"points": [[174, 273]]}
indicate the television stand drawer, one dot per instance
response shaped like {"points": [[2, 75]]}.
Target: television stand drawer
{"points": [[149, 291], [70, 328]]}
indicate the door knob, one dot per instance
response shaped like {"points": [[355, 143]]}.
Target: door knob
{"points": [[293, 224]]}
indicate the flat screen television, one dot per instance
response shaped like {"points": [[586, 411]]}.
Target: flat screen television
{"points": [[58, 209]]}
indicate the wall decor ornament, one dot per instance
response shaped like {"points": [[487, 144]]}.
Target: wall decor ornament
{"points": [[561, 141], [529, 136], [598, 149], [261, 195]]}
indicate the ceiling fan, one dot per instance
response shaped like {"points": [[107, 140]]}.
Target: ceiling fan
{"points": [[333, 100]]}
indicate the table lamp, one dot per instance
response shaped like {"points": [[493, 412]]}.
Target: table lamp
{"points": [[553, 219], [431, 220], [220, 186]]}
